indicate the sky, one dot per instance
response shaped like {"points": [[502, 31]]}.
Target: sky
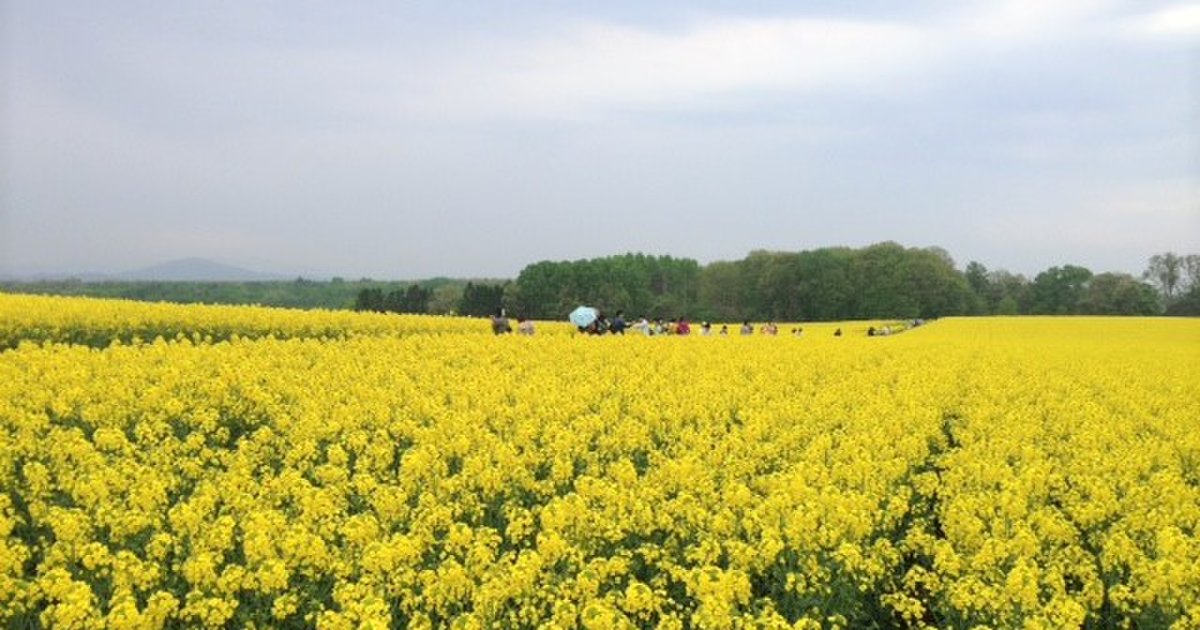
{"points": [[415, 139]]}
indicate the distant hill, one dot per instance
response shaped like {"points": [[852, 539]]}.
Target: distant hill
{"points": [[196, 270]]}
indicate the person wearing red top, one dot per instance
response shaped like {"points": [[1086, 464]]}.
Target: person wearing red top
{"points": [[684, 328]]}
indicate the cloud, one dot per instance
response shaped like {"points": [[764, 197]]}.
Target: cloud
{"points": [[1018, 22], [593, 68], [1180, 21], [607, 65]]}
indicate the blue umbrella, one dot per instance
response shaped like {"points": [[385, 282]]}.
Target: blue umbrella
{"points": [[583, 316]]}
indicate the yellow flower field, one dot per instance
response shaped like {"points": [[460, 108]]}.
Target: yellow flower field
{"points": [[99, 322], [420, 472]]}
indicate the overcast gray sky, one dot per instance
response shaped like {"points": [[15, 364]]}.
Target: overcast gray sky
{"points": [[406, 140]]}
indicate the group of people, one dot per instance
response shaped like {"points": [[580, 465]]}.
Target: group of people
{"points": [[618, 325], [500, 325], [678, 326], [602, 325]]}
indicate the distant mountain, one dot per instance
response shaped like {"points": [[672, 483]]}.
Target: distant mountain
{"points": [[197, 270]]}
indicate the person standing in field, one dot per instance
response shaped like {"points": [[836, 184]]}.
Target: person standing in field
{"points": [[500, 324], [600, 326], [684, 328], [747, 329], [618, 324], [524, 327]]}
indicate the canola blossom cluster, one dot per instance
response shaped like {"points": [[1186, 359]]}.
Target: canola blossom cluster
{"points": [[100, 322], [992, 472]]}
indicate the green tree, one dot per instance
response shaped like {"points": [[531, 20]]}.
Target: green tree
{"points": [[977, 279], [393, 301], [879, 278], [415, 299], [779, 288], [824, 284], [1060, 290], [445, 299], [370, 300], [544, 290], [1119, 294], [1191, 267], [481, 300], [1007, 293], [935, 283], [1187, 303], [1166, 271], [720, 292], [635, 283]]}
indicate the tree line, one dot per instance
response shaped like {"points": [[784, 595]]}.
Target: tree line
{"points": [[476, 300], [884, 280]]}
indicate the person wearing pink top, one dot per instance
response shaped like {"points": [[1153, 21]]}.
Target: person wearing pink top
{"points": [[684, 328]]}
